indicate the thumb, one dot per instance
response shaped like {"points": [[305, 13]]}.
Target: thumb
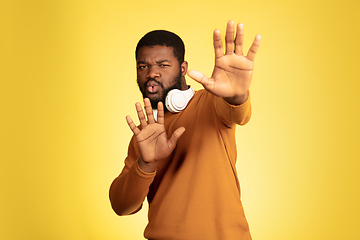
{"points": [[174, 137], [199, 77]]}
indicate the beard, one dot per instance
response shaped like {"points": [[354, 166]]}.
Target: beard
{"points": [[176, 84]]}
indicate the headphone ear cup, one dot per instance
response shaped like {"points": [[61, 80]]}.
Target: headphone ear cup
{"points": [[177, 100]]}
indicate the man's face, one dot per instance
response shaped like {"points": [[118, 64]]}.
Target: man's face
{"points": [[158, 72]]}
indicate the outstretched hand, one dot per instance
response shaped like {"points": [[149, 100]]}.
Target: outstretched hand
{"points": [[233, 71], [152, 140]]}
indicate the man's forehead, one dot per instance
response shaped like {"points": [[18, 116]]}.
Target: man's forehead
{"points": [[157, 49], [156, 52]]}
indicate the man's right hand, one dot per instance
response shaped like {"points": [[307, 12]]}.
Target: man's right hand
{"points": [[152, 140]]}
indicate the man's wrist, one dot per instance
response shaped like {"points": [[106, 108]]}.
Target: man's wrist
{"points": [[237, 100], [146, 166]]}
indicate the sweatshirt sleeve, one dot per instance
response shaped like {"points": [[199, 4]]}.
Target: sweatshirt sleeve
{"points": [[231, 114], [129, 190]]}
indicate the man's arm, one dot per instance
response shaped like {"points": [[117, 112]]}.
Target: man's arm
{"points": [[128, 191], [233, 71]]}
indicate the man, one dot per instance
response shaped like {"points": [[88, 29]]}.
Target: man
{"points": [[184, 163]]}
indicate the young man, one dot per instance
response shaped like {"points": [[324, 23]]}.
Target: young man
{"points": [[184, 163]]}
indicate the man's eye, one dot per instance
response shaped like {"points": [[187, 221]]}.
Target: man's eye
{"points": [[142, 67], [164, 65]]}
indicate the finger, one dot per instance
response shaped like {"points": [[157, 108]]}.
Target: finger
{"points": [[149, 111], [201, 78], [229, 37], [219, 51], [239, 40], [141, 115], [132, 125], [254, 48], [174, 137], [160, 116]]}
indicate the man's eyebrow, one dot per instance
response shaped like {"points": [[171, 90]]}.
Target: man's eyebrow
{"points": [[140, 62], [162, 61]]}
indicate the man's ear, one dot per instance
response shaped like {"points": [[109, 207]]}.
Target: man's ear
{"points": [[184, 68]]}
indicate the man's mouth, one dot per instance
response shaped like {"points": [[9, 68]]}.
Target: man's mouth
{"points": [[152, 87]]}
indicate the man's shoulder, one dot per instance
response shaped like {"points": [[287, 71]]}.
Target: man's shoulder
{"points": [[201, 101], [202, 93]]}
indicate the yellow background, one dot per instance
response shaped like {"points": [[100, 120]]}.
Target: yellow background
{"points": [[67, 75]]}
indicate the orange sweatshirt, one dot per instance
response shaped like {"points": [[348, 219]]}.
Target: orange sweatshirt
{"points": [[195, 192]]}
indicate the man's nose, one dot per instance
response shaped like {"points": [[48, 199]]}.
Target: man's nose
{"points": [[153, 72]]}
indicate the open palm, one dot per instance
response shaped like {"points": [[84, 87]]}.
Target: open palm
{"points": [[152, 140], [233, 71]]}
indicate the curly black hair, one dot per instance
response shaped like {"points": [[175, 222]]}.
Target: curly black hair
{"points": [[163, 38]]}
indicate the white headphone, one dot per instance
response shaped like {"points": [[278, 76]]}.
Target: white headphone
{"points": [[176, 100]]}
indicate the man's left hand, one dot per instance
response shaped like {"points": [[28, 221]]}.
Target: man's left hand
{"points": [[233, 71]]}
